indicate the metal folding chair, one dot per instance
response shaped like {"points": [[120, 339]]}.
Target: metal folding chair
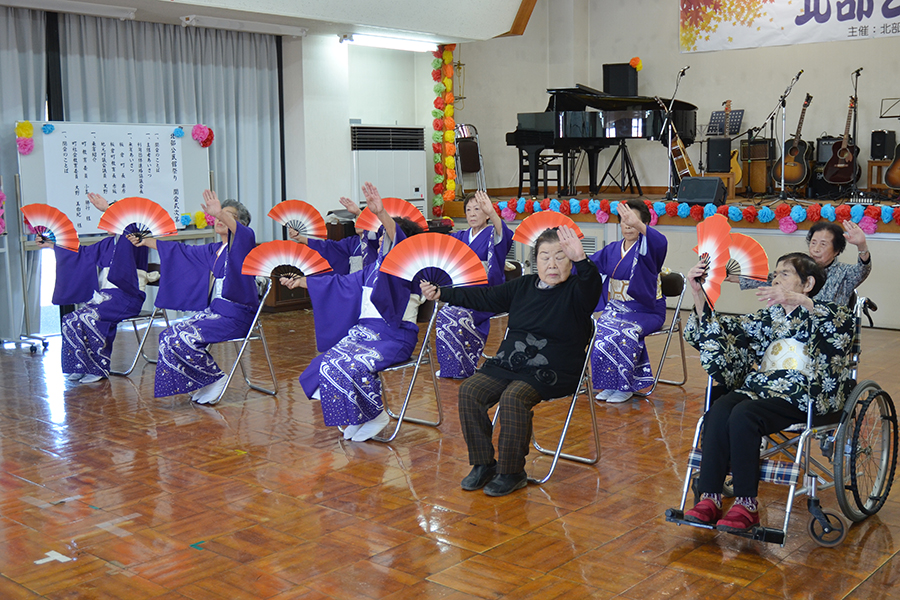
{"points": [[148, 317], [672, 287]]}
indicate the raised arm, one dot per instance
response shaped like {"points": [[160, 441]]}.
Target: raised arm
{"points": [[148, 242], [484, 203], [350, 206], [696, 277], [98, 201], [295, 235], [628, 216], [373, 203], [570, 244], [856, 236], [212, 206]]}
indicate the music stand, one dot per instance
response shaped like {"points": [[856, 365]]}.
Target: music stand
{"points": [[890, 108], [717, 123]]}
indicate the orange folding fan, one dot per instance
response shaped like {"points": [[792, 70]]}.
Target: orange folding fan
{"points": [[396, 208], [51, 224], [534, 225], [301, 216], [151, 219], [713, 241], [283, 258], [748, 258], [438, 251]]}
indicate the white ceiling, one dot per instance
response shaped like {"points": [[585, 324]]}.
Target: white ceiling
{"points": [[441, 21]]}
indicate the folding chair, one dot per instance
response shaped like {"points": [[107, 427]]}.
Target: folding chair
{"points": [[427, 314], [255, 332], [672, 287], [144, 316], [469, 160]]}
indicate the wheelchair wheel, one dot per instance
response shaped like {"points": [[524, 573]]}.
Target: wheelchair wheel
{"points": [[865, 452], [831, 538]]}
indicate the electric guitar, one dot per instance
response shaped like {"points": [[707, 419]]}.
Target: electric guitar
{"points": [[735, 164], [843, 166], [892, 173], [796, 155], [683, 165]]}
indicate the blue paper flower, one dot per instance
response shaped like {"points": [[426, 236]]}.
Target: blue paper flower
{"points": [[709, 210], [735, 213], [614, 208], [47, 128], [520, 205], [828, 212], [593, 206], [857, 212], [554, 205], [798, 214], [537, 206], [887, 214], [684, 211], [659, 207], [574, 206], [179, 132], [186, 220], [502, 204], [765, 214]]}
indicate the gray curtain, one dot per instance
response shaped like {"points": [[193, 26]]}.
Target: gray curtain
{"points": [[23, 94], [132, 72]]}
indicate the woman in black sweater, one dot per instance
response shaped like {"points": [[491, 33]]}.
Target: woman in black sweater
{"points": [[540, 358]]}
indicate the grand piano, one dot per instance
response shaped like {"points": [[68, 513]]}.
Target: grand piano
{"points": [[588, 120]]}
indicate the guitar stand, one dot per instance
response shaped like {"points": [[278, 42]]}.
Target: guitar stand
{"points": [[627, 175]]}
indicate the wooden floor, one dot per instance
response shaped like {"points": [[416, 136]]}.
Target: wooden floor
{"points": [[106, 492]]}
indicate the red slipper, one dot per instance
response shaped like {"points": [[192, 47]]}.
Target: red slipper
{"points": [[738, 520], [704, 512]]}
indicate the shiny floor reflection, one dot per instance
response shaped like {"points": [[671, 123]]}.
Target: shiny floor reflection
{"points": [[106, 492]]}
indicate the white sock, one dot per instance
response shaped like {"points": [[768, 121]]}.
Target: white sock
{"points": [[350, 431], [210, 393], [371, 428], [92, 378], [74, 376]]}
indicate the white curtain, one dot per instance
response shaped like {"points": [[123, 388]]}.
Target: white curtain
{"points": [[133, 72], [23, 94]]}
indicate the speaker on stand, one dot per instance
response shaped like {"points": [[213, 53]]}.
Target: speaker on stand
{"points": [[718, 155], [883, 144]]}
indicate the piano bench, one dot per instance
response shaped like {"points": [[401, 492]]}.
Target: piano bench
{"points": [[728, 180]]}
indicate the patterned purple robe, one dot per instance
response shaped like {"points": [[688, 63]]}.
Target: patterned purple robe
{"points": [[460, 333], [356, 348], [348, 254], [185, 275], [619, 359], [88, 332]]}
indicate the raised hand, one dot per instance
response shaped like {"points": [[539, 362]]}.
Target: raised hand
{"points": [[630, 217], [484, 202], [570, 244], [697, 275], [429, 290], [211, 204], [296, 236], [373, 199], [350, 206], [854, 234], [98, 201]]}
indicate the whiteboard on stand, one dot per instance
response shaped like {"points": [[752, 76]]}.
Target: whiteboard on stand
{"points": [[115, 160]]}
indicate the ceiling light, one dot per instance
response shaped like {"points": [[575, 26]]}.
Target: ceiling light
{"points": [[375, 41], [79, 8], [248, 26]]}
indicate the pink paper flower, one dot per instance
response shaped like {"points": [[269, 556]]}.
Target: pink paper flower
{"points": [[199, 132], [868, 225], [25, 145], [787, 224], [654, 218], [2, 225], [602, 217], [508, 215]]}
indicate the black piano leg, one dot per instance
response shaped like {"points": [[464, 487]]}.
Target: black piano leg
{"points": [[593, 156]]}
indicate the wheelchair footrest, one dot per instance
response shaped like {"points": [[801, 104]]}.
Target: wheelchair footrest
{"points": [[758, 533]]}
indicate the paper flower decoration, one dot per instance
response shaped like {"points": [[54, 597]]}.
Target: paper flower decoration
{"points": [[766, 215], [842, 213], [199, 132], [813, 212], [186, 219], [787, 225], [868, 225], [722, 210], [25, 145], [734, 213], [782, 211], [887, 214], [696, 212], [206, 143], [671, 208], [659, 207], [564, 208], [210, 220], [602, 217], [636, 63], [798, 214], [709, 209], [24, 129], [873, 211], [654, 218], [828, 212], [178, 132], [47, 128], [574, 206], [508, 215], [857, 212], [200, 220], [750, 214]]}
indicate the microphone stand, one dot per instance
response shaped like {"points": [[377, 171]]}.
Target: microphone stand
{"points": [[855, 194], [671, 178], [780, 105]]}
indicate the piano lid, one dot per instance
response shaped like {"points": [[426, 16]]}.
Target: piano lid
{"points": [[582, 96]]}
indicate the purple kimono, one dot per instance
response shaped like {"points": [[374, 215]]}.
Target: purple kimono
{"points": [[631, 306], [358, 342], [460, 333], [88, 332], [186, 275], [349, 254]]}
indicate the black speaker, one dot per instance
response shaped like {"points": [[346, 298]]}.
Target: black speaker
{"points": [[883, 144], [718, 155], [620, 80], [702, 190], [818, 187], [825, 149]]}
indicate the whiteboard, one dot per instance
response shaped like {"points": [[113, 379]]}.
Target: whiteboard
{"points": [[115, 160]]}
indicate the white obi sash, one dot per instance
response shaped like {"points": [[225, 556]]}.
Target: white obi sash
{"points": [[787, 354]]}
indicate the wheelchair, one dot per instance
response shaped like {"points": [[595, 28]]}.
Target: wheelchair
{"points": [[860, 443]]}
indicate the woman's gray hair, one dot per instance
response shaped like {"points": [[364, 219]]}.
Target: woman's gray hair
{"points": [[243, 215]]}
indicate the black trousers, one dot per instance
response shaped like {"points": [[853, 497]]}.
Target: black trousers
{"points": [[732, 432], [517, 399]]}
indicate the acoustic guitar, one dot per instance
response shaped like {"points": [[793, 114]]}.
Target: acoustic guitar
{"points": [[683, 165], [843, 166], [735, 164], [796, 155], [892, 173]]}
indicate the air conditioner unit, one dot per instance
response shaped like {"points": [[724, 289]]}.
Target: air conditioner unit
{"points": [[393, 158]]}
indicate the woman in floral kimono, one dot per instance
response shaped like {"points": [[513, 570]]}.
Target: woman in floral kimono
{"points": [[802, 349], [460, 333]]}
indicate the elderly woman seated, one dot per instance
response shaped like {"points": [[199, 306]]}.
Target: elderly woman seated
{"points": [[802, 349], [540, 358]]}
